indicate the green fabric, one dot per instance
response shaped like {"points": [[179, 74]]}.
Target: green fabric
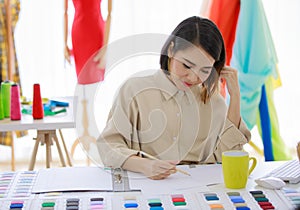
{"points": [[46, 112]]}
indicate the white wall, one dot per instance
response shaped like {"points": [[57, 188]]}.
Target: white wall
{"points": [[39, 42], [284, 22]]}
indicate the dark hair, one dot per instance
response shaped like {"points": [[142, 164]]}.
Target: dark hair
{"points": [[199, 32]]}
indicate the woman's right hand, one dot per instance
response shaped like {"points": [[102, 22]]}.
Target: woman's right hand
{"points": [[159, 169], [153, 169]]}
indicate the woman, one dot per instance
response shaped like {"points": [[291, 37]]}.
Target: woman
{"points": [[177, 114]]}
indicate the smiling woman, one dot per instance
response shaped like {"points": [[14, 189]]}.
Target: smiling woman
{"points": [[176, 114], [192, 64]]}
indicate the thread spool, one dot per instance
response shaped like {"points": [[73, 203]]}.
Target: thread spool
{"points": [[37, 106], [5, 90], [15, 105], [1, 106]]}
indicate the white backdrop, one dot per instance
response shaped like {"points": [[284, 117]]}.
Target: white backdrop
{"points": [[39, 43]]}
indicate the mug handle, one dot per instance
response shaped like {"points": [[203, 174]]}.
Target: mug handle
{"points": [[254, 161]]}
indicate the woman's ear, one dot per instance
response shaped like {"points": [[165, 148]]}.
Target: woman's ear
{"points": [[170, 50]]}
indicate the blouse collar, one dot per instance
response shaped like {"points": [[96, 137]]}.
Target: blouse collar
{"points": [[169, 90]]}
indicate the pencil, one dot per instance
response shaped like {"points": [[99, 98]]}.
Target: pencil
{"points": [[154, 158]]}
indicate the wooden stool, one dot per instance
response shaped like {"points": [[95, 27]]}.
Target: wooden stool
{"points": [[47, 137]]}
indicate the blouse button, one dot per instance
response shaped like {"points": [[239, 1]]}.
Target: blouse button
{"points": [[177, 114], [174, 138]]}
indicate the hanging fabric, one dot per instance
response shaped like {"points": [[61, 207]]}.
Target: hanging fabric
{"points": [[255, 58], [226, 21], [250, 49]]}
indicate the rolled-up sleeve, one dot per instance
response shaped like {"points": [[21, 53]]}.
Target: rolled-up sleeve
{"points": [[232, 138]]}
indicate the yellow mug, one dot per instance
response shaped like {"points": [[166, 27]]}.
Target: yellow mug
{"points": [[235, 165]]}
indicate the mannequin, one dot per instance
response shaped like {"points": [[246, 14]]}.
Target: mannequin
{"points": [[89, 32]]}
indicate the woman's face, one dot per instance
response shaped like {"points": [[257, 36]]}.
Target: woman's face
{"points": [[190, 67]]}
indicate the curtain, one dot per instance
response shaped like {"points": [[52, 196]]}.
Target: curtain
{"points": [[7, 137]]}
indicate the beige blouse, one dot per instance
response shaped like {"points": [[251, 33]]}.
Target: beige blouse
{"points": [[151, 114]]}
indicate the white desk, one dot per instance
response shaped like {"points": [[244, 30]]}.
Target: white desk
{"points": [[195, 198], [63, 120], [46, 130]]}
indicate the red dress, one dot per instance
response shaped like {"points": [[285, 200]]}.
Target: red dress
{"points": [[87, 31]]}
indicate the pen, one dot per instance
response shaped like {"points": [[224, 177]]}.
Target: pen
{"points": [[154, 158]]}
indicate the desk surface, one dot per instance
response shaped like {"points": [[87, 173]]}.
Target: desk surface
{"points": [[62, 120], [193, 199]]}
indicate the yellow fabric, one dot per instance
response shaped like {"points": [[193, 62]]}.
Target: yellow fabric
{"points": [[6, 137], [276, 82]]}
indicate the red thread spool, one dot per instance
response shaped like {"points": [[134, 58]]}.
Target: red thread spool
{"points": [[15, 105], [37, 106]]}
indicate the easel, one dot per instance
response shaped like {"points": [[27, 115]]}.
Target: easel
{"points": [[46, 137]]}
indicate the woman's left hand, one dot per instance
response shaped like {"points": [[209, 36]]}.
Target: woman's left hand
{"points": [[232, 83], [231, 76]]}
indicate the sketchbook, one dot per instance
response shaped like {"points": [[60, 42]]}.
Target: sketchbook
{"points": [[201, 177], [73, 179], [109, 180]]}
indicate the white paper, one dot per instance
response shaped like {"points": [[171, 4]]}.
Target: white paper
{"points": [[73, 179], [201, 176]]}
